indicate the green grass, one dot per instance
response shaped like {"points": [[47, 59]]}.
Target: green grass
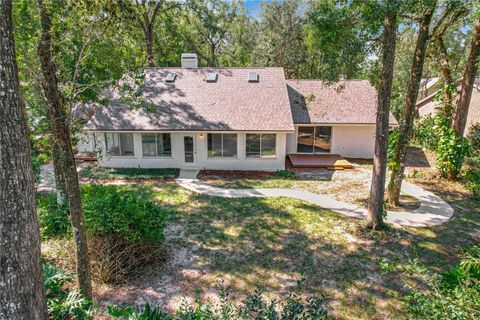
{"points": [[282, 245], [128, 173], [253, 183]]}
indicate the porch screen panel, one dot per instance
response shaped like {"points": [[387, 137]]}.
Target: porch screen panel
{"points": [[305, 139], [214, 145], [229, 145], [112, 144], [268, 145], [149, 148], [323, 138], [252, 146], [166, 144], [126, 144]]}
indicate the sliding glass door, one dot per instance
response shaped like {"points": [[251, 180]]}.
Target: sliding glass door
{"points": [[314, 139]]}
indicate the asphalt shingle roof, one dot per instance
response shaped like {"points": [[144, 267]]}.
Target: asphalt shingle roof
{"points": [[191, 103], [344, 102]]}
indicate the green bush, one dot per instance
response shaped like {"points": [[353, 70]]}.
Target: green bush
{"points": [[124, 228], [128, 173], [474, 137], [471, 176], [54, 220], [253, 307], [453, 294], [63, 303], [287, 174], [424, 133]]}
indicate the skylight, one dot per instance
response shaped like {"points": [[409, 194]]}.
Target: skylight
{"points": [[212, 77], [170, 77], [253, 77]]}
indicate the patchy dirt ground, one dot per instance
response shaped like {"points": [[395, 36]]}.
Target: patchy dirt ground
{"points": [[283, 245]]}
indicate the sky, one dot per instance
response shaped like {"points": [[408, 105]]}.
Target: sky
{"points": [[253, 7]]}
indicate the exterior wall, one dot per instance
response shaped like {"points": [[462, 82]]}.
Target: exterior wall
{"points": [[352, 141], [473, 110], [201, 159]]}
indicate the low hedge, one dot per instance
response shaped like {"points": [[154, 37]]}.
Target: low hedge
{"points": [[124, 228], [128, 173]]}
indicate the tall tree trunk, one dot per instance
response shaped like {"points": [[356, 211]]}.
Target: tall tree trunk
{"points": [[22, 293], [406, 127], [61, 133], [461, 112], [58, 173], [149, 43], [377, 189]]}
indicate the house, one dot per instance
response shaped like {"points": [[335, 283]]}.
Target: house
{"points": [[233, 119], [427, 106]]}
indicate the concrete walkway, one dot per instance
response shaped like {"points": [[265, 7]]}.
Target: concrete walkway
{"points": [[432, 211]]}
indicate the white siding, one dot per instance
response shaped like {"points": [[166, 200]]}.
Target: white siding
{"points": [[201, 159], [347, 140]]}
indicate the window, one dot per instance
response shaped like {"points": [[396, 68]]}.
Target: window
{"points": [[156, 144], [314, 139], [119, 144], [222, 145], [260, 145]]}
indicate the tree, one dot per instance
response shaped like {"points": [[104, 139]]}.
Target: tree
{"points": [[22, 294], [211, 28], [280, 38], [61, 132], [468, 81], [145, 14], [377, 189], [409, 109]]}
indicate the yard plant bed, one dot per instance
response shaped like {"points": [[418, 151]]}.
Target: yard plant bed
{"points": [[99, 173]]}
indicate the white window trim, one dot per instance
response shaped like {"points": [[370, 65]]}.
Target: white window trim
{"points": [[222, 157], [119, 145], [156, 146], [261, 157]]}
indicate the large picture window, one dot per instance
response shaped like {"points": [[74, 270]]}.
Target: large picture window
{"points": [[222, 145], [119, 144], [314, 139], [156, 145], [260, 145]]}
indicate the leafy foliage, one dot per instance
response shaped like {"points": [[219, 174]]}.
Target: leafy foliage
{"points": [[62, 302], [474, 137], [287, 174], [471, 176], [453, 294], [425, 135], [253, 307], [451, 149], [128, 173], [125, 229]]}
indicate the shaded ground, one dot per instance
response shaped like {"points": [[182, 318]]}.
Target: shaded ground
{"points": [[282, 245]]}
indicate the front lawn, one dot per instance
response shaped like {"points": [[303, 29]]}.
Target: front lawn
{"points": [[282, 245]]}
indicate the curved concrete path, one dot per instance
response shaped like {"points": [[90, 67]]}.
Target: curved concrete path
{"points": [[432, 211]]}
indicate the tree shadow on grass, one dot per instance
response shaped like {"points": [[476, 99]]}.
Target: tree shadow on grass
{"points": [[282, 245]]}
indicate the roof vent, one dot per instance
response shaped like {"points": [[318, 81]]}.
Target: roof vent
{"points": [[211, 77], [170, 77], [253, 77], [189, 60]]}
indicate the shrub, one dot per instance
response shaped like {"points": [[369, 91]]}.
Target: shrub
{"points": [[128, 173], [471, 176], [474, 137], [453, 294], [424, 133], [287, 174], [124, 228], [63, 303], [253, 307], [54, 220]]}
